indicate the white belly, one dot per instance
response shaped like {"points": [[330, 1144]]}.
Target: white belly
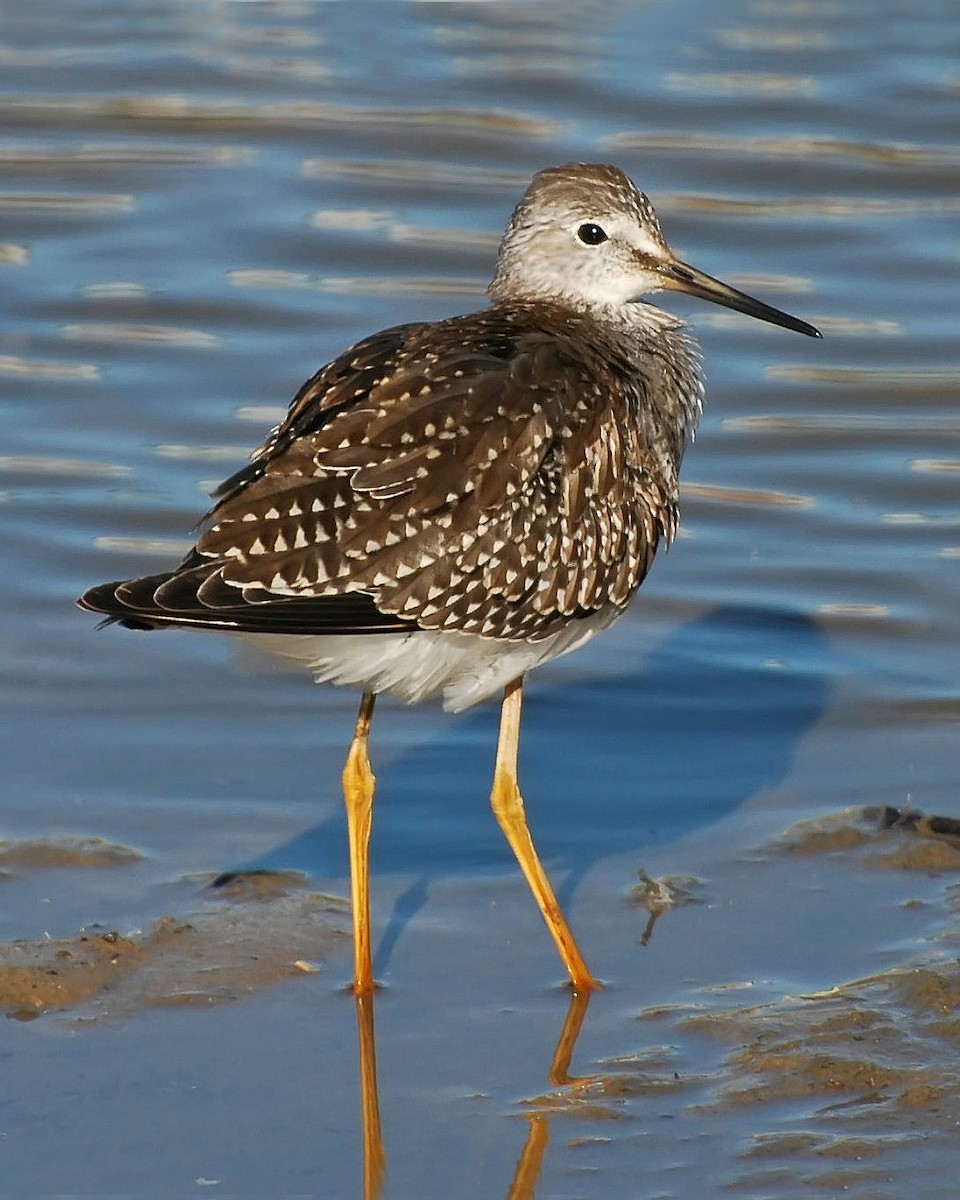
{"points": [[416, 666]]}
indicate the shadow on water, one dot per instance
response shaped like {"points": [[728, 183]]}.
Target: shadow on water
{"points": [[712, 716]]}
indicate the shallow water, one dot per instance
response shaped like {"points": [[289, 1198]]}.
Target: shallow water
{"points": [[199, 204]]}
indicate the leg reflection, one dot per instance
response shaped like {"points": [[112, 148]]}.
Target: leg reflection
{"points": [[530, 1163], [559, 1073], [527, 1174], [374, 1159]]}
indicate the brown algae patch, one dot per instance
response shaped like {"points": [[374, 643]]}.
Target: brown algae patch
{"points": [[610, 1091], [218, 955], [841, 1090], [259, 884], [926, 991], [836, 1092], [845, 830], [42, 854], [38, 975], [780, 1145], [887, 837], [878, 1043]]}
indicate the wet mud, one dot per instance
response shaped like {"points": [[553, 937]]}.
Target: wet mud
{"points": [[258, 930]]}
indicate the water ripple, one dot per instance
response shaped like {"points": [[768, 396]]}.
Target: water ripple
{"points": [[74, 202], [751, 496], [916, 154], [751, 83], [823, 206], [889, 379], [60, 468], [416, 171], [192, 110], [34, 368], [12, 255], [130, 154], [138, 335], [350, 285]]}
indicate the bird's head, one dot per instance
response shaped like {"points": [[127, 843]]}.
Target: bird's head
{"points": [[585, 236]]}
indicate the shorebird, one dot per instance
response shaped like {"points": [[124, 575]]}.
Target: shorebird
{"points": [[449, 504]]}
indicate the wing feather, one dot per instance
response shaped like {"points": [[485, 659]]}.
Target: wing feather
{"points": [[492, 489]]}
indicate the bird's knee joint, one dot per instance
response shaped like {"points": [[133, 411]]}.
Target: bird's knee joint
{"points": [[505, 799], [358, 777]]}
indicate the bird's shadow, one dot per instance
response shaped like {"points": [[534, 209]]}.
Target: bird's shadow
{"points": [[710, 716]]}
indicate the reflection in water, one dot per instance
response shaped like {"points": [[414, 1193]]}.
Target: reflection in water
{"points": [[538, 1135], [529, 1164], [559, 1073], [374, 1157], [531, 1160], [657, 896]]}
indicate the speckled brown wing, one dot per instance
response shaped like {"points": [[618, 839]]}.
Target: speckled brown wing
{"points": [[495, 488], [343, 382]]}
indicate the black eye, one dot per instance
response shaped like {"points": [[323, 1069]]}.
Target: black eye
{"points": [[590, 234]]}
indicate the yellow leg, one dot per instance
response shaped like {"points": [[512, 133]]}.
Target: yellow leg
{"points": [[358, 784], [507, 804]]}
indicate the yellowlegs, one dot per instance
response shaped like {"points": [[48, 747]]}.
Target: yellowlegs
{"points": [[449, 504]]}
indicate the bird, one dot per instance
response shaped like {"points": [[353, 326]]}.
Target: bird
{"points": [[449, 504]]}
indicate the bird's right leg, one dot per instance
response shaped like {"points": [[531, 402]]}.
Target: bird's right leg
{"points": [[358, 785], [507, 804]]}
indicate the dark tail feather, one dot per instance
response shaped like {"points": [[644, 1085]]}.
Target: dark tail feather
{"points": [[182, 598], [103, 599]]}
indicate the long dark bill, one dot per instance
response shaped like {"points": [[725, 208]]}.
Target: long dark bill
{"points": [[679, 277]]}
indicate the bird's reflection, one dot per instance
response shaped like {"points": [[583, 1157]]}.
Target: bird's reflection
{"points": [[658, 896], [530, 1162]]}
